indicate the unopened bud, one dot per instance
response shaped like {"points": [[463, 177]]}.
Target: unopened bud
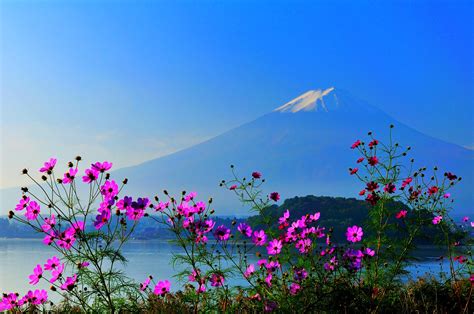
{"points": [[24, 171]]}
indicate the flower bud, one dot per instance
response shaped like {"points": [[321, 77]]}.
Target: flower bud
{"points": [[11, 214], [44, 178], [24, 189], [70, 164], [165, 192], [24, 171], [107, 176], [78, 158], [125, 181]]}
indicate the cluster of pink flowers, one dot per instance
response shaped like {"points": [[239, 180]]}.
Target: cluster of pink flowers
{"points": [[56, 268], [12, 301]]}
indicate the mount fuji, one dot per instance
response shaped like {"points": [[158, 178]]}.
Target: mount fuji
{"points": [[302, 147]]}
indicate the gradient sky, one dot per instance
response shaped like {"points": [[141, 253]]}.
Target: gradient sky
{"points": [[132, 80]]}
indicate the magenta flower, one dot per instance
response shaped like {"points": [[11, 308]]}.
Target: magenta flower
{"points": [[315, 216], [294, 288], [125, 203], [70, 175], [249, 271], [32, 211], [274, 247], [354, 234], [283, 219], [135, 213], [373, 160], [161, 206], [216, 280], [436, 220], [194, 275], [52, 263], [36, 276], [233, 187], [300, 274], [57, 272], [259, 238], [69, 283], [23, 203], [401, 214], [245, 229], [356, 144], [49, 223], [465, 219], [274, 196], [91, 175], [331, 264], [303, 245], [369, 252], [256, 175], [36, 297], [48, 165], [433, 190], [390, 188], [102, 166], [162, 288], [447, 195], [102, 218], [222, 233], [190, 196], [83, 265], [109, 189], [145, 284]]}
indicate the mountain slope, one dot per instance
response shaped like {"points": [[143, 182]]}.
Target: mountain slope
{"points": [[302, 148]]}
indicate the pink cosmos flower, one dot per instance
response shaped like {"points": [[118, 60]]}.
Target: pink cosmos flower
{"points": [[465, 219], [145, 284], [274, 247], [361, 159], [331, 265], [268, 279], [69, 283], [109, 189], [162, 288], [233, 187], [373, 160], [36, 276], [354, 234], [190, 196], [36, 297], [249, 271], [48, 165], [259, 238], [300, 274], [102, 218], [303, 245], [353, 170], [362, 192], [217, 280], [256, 175], [161, 206], [447, 195], [390, 188], [194, 275], [285, 217], [91, 175], [32, 211], [57, 273], [294, 288], [9, 302], [401, 214], [369, 252], [49, 223], [83, 265], [436, 220], [245, 229], [23, 203], [356, 144], [70, 175], [125, 203], [222, 233], [52, 263], [315, 216], [433, 190], [102, 166], [275, 196], [406, 182]]}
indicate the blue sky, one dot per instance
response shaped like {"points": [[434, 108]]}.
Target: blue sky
{"points": [[132, 80]]}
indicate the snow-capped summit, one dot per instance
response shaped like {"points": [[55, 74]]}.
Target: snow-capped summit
{"points": [[313, 100]]}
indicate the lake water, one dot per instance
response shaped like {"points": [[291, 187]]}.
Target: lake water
{"points": [[18, 257]]}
